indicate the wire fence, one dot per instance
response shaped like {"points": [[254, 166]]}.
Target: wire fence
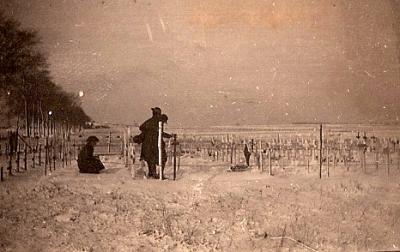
{"points": [[267, 151]]}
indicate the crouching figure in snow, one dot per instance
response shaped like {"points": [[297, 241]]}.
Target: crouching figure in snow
{"points": [[88, 163]]}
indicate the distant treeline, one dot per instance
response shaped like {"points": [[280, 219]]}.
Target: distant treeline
{"points": [[25, 83]]}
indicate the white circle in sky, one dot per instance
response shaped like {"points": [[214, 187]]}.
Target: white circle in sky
{"points": [[81, 93]]}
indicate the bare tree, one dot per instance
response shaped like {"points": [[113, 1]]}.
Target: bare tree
{"points": [[24, 76]]}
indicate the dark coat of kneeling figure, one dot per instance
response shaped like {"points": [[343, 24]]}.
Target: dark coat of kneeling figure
{"points": [[88, 163]]}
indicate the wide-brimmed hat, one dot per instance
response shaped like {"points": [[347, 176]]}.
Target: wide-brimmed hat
{"points": [[92, 139]]}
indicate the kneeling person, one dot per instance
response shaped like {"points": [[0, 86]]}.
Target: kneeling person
{"points": [[88, 163]]}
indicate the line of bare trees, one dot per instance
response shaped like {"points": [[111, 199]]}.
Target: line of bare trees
{"points": [[25, 83]]}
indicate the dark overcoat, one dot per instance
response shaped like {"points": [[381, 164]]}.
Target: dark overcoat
{"points": [[149, 151], [150, 141], [88, 163]]}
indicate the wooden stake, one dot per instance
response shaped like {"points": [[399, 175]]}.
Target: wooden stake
{"points": [[261, 157], [175, 143], [125, 151], [132, 157], [33, 158], [160, 133], [234, 153], [320, 151], [60, 148], [50, 156], [74, 146], [231, 153], [18, 156], [364, 161], [25, 157], [70, 152], [222, 151], [46, 155], [66, 151], [61, 154], [327, 159], [109, 143], [334, 159], [269, 161], [10, 156], [54, 156]]}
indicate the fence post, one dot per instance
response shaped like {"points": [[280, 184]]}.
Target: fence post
{"points": [[9, 156], [50, 155], [74, 147], [25, 157], [123, 142], [125, 149], [261, 157], [160, 133], [234, 153], [33, 158], [66, 151], [327, 159], [170, 152], [109, 143], [54, 156], [364, 160], [334, 159], [269, 161], [175, 143], [62, 153], [60, 147], [320, 151], [222, 151], [131, 152], [46, 155], [18, 156], [227, 151], [231, 154]]}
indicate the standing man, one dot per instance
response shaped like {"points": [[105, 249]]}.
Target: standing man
{"points": [[149, 151], [247, 153]]}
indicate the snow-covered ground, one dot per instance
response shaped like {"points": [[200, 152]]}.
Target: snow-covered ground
{"points": [[205, 209]]}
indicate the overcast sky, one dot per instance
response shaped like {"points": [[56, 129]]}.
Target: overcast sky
{"points": [[218, 62]]}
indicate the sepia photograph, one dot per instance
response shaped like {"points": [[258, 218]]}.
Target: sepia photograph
{"points": [[199, 125]]}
